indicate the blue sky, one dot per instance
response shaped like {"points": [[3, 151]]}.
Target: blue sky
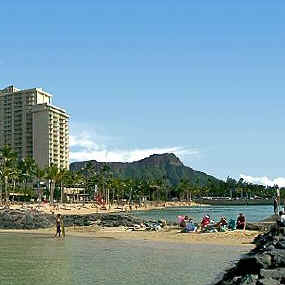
{"points": [[203, 79]]}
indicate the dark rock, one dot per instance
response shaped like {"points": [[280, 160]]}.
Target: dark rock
{"points": [[20, 219], [278, 257], [264, 265], [264, 260], [253, 227], [267, 281], [29, 219], [277, 274], [249, 279], [281, 244]]}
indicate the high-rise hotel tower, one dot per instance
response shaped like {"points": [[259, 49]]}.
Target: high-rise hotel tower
{"points": [[33, 127]]}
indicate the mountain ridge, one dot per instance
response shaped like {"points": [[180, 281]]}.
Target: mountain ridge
{"points": [[156, 166]]}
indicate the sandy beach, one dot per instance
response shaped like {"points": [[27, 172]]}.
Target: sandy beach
{"points": [[240, 238], [90, 208], [171, 234]]}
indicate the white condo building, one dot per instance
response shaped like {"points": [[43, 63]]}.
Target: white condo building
{"points": [[33, 127]]}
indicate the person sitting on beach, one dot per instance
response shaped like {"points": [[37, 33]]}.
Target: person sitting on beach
{"points": [[184, 222], [281, 219], [280, 223], [232, 224], [190, 227], [180, 220], [58, 222], [205, 222], [241, 222], [222, 224]]}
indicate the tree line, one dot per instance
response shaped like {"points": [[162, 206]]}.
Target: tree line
{"points": [[26, 177]]}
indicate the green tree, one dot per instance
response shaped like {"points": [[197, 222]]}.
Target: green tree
{"points": [[7, 169], [28, 168], [40, 175], [61, 180], [51, 176]]}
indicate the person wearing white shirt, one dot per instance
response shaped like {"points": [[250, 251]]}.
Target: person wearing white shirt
{"points": [[282, 219]]}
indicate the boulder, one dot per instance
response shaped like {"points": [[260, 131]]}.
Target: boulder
{"points": [[267, 281], [276, 274], [22, 219], [264, 265]]}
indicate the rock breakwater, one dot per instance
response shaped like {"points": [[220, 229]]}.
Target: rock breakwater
{"points": [[264, 265], [26, 219]]}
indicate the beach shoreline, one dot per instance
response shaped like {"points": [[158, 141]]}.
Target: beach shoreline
{"points": [[92, 208], [230, 238]]}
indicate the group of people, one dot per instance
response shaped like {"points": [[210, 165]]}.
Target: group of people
{"points": [[207, 224]]}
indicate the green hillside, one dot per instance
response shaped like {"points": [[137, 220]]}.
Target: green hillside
{"points": [[157, 166]]}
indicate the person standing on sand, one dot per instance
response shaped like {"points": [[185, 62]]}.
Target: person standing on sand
{"points": [[58, 224], [275, 205], [62, 227]]}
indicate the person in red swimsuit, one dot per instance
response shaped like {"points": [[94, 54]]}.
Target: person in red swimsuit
{"points": [[205, 222]]}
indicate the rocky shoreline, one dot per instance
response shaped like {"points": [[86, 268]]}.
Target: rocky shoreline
{"points": [[26, 219], [264, 265], [32, 219]]}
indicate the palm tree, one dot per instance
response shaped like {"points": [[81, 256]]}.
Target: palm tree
{"points": [[106, 175], [129, 184], [51, 175], [39, 174], [7, 166], [104, 179], [185, 187], [75, 179], [159, 186], [88, 175], [61, 178], [28, 168], [116, 186], [15, 177], [4, 173]]}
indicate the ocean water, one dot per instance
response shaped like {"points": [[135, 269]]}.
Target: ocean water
{"points": [[252, 213], [28, 259]]}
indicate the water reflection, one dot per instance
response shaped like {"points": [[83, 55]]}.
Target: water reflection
{"points": [[30, 259]]}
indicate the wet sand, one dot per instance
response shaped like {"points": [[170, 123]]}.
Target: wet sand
{"points": [[231, 238]]}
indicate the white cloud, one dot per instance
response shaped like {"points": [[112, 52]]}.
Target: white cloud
{"points": [[264, 180], [84, 147]]}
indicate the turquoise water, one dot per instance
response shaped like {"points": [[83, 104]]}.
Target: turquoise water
{"points": [[27, 259], [252, 213]]}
